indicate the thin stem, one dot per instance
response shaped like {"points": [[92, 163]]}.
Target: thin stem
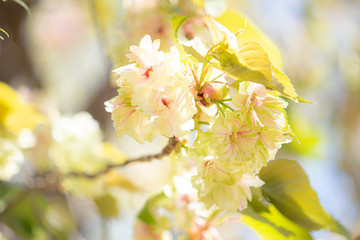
{"points": [[227, 106], [211, 81], [165, 152], [204, 70], [195, 77], [225, 100], [220, 108], [53, 187]]}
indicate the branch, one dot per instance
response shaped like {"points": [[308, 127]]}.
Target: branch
{"points": [[165, 152], [43, 185]]}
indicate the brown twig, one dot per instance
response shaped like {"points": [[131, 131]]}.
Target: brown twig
{"points": [[165, 152], [41, 185]]}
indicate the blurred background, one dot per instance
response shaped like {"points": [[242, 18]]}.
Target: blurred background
{"points": [[61, 53]]}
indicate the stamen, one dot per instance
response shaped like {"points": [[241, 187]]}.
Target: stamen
{"points": [[147, 72], [164, 101]]}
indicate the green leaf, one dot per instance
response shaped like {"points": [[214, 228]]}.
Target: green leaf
{"points": [[272, 225], [227, 60], [252, 55], [300, 99], [15, 114], [287, 187], [246, 60], [107, 206], [146, 214], [25, 215], [31, 215], [235, 21], [251, 63], [284, 85], [188, 53], [219, 33]]}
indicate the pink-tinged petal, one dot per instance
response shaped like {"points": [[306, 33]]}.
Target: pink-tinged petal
{"points": [[120, 70], [253, 117], [268, 139], [237, 123], [175, 117]]}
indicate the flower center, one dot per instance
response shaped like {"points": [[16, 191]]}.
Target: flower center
{"points": [[165, 101], [257, 101], [147, 71], [202, 98]]}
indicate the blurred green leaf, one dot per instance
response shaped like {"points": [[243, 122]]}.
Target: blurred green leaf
{"points": [[32, 215], [287, 187], [7, 191], [24, 213], [114, 178], [310, 136], [111, 153], [146, 214], [57, 217], [15, 114], [107, 206]]}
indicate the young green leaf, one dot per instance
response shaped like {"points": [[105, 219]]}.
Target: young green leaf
{"points": [[251, 63], [219, 33], [187, 52], [288, 188], [272, 225], [285, 86], [235, 21], [246, 60], [227, 60], [300, 99], [253, 56]]}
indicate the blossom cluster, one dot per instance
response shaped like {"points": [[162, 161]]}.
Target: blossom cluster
{"points": [[152, 99], [239, 125], [77, 147], [11, 158]]}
